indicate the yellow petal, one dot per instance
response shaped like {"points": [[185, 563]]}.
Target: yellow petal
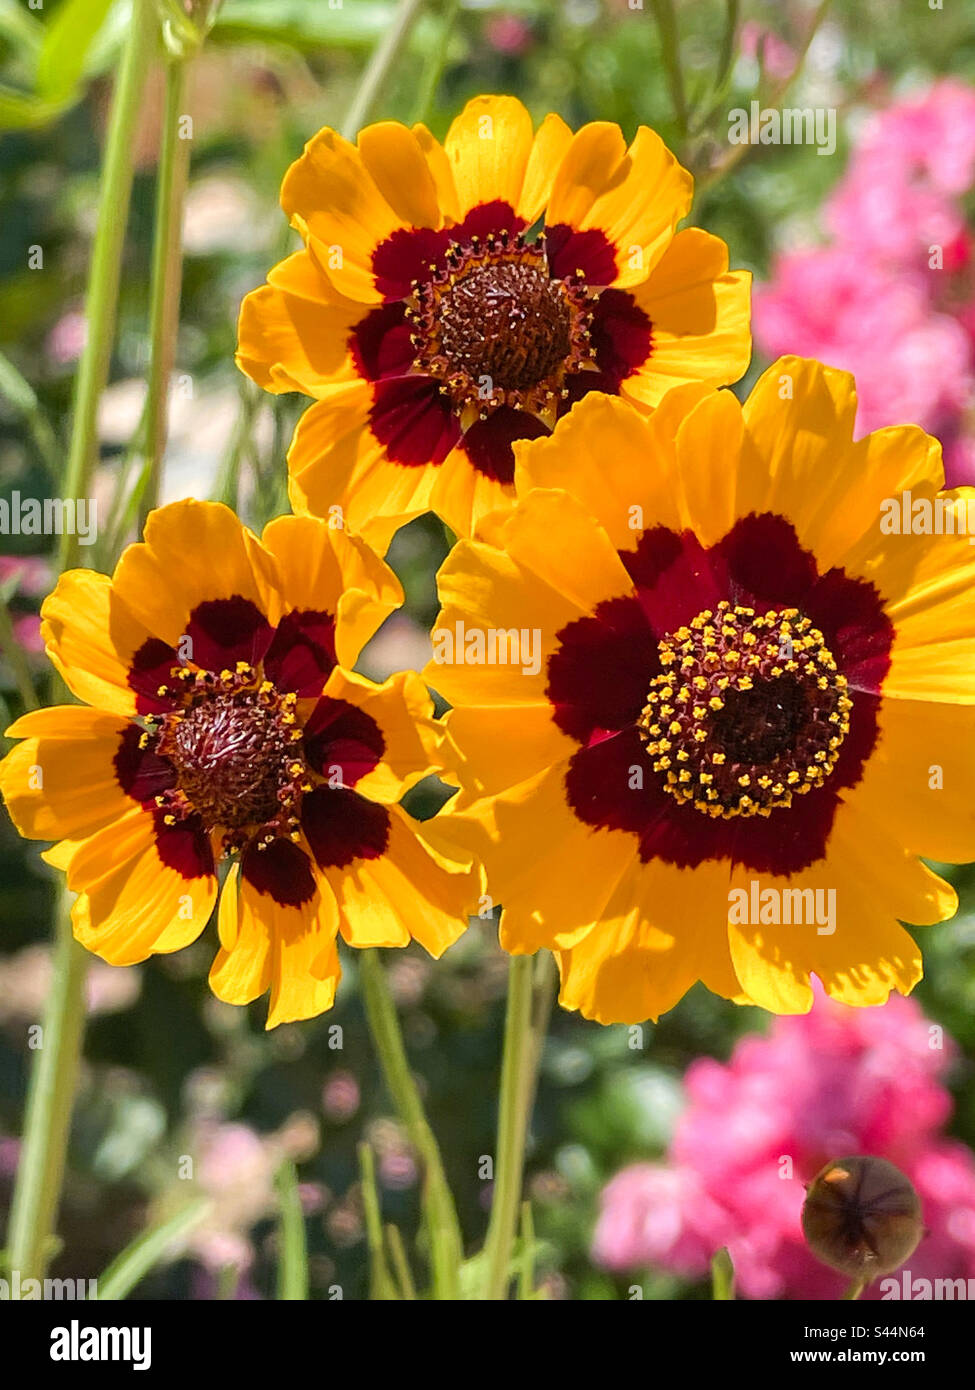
{"points": [[634, 196], [414, 742], [489, 145], [90, 636], [322, 568], [700, 314], [286, 343], [395, 159], [335, 204], [193, 551], [133, 904], [411, 890], [338, 469], [61, 783]]}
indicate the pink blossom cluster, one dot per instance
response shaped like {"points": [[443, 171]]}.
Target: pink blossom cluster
{"points": [[835, 1082], [891, 297]]}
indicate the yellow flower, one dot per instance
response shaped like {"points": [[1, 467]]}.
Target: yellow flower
{"points": [[223, 720], [435, 329], [739, 711]]}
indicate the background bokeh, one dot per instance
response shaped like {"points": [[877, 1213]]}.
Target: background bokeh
{"points": [[170, 1072]]}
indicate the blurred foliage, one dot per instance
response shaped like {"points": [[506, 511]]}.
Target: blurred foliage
{"points": [[272, 72]]}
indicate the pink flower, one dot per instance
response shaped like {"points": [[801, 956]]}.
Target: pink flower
{"points": [[913, 365], [33, 573], [893, 297], [341, 1097], [756, 1129], [655, 1215], [929, 135], [27, 632], [508, 34], [66, 340], [912, 165], [780, 60]]}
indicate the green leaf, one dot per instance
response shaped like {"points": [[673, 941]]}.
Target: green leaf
{"points": [[130, 1267], [67, 40], [292, 1241], [20, 28], [358, 23], [21, 111], [16, 388]]}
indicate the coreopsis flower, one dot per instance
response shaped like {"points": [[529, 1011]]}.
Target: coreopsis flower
{"points": [[710, 713], [224, 723], [453, 299]]}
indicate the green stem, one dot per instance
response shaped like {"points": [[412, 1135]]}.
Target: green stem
{"points": [[526, 1273], [381, 1285], [446, 1246], [401, 1265], [50, 1096], [167, 274], [663, 13], [436, 62], [855, 1289], [292, 1238], [517, 1089], [380, 65], [722, 1277], [106, 258]]}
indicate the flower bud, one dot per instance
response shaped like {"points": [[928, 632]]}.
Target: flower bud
{"points": [[862, 1217]]}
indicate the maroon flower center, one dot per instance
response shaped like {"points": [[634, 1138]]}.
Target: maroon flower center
{"points": [[496, 329], [749, 712], [235, 747], [507, 322]]}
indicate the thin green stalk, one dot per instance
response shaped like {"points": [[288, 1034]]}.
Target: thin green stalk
{"points": [[292, 1239], [53, 1078], [722, 1277], [381, 1286], [544, 989], [446, 1246], [855, 1289], [380, 65], [167, 275], [526, 1272], [131, 1266], [49, 1102], [666, 18], [106, 258], [401, 1265], [509, 1158], [436, 62]]}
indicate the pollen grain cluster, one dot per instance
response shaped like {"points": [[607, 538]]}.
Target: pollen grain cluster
{"points": [[749, 711], [235, 745], [495, 328]]}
